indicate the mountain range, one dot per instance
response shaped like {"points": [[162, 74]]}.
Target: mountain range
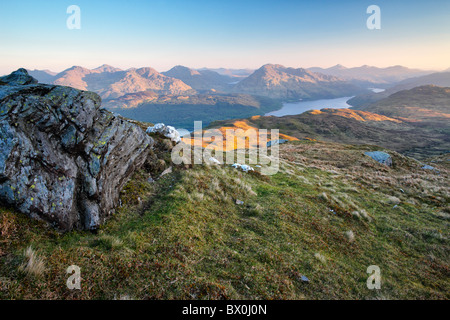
{"points": [[425, 104], [369, 75], [145, 94], [202, 80], [110, 82], [279, 82], [162, 230], [441, 79], [414, 122], [271, 80]]}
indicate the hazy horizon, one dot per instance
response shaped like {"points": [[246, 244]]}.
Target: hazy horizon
{"points": [[234, 34], [217, 67]]}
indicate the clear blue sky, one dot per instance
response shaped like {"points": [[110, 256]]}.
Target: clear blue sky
{"points": [[211, 33]]}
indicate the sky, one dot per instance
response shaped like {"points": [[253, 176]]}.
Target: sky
{"points": [[230, 34]]}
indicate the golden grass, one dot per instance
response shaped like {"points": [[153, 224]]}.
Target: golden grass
{"points": [[34, 264]]}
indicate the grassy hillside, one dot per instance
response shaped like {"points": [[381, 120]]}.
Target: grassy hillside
{"points": [[416, 139], [327, 215], [429, 104], [441, 79]]}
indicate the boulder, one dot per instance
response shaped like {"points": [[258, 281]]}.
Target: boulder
{"points": [[243, 167], [166, 131], [63, 159], [381, 157]]}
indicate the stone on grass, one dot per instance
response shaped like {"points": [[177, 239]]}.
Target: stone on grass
{"points": [[167, 131], [350, 236], [393, 200], [243, 167], [381, 157]]}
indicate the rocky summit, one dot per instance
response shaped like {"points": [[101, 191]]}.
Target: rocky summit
{"points": [[63, 159]]}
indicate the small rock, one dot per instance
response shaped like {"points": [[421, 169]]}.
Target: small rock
{"points": [[381, 157], [320, 257], [243, 167], [356, 214], [304, 279], [350, 236], [167, 131], [427, 167], [393, 200]]}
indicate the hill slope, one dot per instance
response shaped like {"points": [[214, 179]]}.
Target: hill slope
{"points": [[372, 75], [425, 104], [441, 79], [308, 232], [357, 127]]}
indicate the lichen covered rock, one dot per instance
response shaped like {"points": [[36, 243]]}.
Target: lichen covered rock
{"points": [[62, 158]]}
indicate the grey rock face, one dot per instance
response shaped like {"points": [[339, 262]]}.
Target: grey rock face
{"points": [[19, 77], [381, 157], [62, 158]]}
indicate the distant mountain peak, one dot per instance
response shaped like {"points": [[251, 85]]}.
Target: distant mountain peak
{"points": [[107, 68], [272, 66], [76, 68], [280, 82], [179, 71], [338, 67], [146, 72]]}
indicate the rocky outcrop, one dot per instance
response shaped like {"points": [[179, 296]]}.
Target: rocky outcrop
{"points": [[381, 157], [62, 158]]}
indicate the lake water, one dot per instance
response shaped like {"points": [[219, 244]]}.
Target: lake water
{"points": [[376, 90], [293, 108]]}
